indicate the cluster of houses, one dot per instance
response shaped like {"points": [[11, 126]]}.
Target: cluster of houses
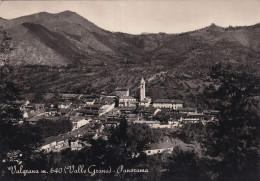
{"points": [[109, 110]]}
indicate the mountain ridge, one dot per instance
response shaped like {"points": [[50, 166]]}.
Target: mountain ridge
{"points": [[73, 40], [68, 53]]}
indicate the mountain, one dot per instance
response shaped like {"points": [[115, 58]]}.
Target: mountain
{"points": [[107, 59], [67, 38]]}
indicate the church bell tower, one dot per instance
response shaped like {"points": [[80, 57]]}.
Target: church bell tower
{"points": [[142, 90]]}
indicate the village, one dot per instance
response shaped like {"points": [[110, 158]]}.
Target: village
{"points": [[93, 114]]}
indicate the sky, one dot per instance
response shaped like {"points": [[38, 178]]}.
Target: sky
{"points": [[146, 16]]}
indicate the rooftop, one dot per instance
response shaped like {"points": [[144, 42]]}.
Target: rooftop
{"points": [[162, 101], [193, 116], [176, 101], [63, 110], [126, 97], [210, 111], [77, 118], [127, 108], [69, 135], [187, 109], [121, 89], [162, 145], [90, 100]]}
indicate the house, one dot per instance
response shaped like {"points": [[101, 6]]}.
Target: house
{"points": [[90, 110], [132, 117], [145, 102], [52, 112], [112, 122], [168, 104], [108, 99], [127, 110], [90, 101], [191, 118], [207, 119], [127, 101], [174, 124], [152, 124], [162, 103], [87, 112], [23, 103], [48, 105], [162, 126], [25, 115], [75, 144], [114, 113], [78, 121], [121, 92], [66, 96], [63, 141], [187, 110], [64, 105], [32, 106], [161, 147], [147, 112], [78, 105], [64, 111], [49, 144], [211, 112], [106, 108], [56, 143], [79, 132]]}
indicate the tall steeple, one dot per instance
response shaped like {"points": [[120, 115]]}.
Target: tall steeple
{"points": [[142, 90]]}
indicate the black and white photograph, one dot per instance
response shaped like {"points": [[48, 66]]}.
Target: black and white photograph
{"points": [[130, 90]]}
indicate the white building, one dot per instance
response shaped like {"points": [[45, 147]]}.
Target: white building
{"points": [[162, 147], [191, 118], [25, 115], [66, 140], [127, 101], [90, 101], [75, 144], [106, 108], [188, 110], [168, 104], [65, 105], [50, 144], [78, 121]]}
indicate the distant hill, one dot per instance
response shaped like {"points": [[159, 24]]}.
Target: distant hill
{"points": [[104, 60], [67, 38]]}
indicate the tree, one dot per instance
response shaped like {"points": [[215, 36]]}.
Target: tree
{"points": [[235, 141], [18, 142], [38, 96], [185, 165], [5, 46], [53, 128]]}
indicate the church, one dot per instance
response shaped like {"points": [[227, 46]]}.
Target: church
{"points": [[144, 101], [128, 101]]}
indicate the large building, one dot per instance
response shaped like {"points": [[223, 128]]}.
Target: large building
{"points": [[127, 101], [121, 92], [168, 103]]}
